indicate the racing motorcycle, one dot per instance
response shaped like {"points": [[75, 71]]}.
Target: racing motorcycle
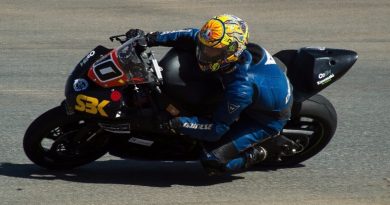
{"points": [[110, 89]]}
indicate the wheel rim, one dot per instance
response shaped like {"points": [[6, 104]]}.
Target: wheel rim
{"points": [[64, 143], [307, 132]]}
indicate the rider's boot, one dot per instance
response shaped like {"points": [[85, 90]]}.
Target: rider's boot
{"points": [[255, 155], [250, 157]]}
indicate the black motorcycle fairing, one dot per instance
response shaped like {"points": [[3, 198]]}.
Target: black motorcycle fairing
{"points": [[83, 66], [81, 69], [185, 83], [155, 147], [311, 69], [89, 99]]}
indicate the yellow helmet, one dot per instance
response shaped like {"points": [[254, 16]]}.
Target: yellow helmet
{"points": [[221, 41]]}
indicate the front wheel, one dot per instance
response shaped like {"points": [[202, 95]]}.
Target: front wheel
{"points": [[311, 129], [56, 140]]}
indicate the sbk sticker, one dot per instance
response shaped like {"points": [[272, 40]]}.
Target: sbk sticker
{"points": [[91, 105]]}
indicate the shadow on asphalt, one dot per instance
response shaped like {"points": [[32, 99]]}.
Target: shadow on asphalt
{"points": [[128, 172]]}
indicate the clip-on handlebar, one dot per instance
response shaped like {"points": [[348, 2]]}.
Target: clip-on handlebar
{"points": [[117, 38]]}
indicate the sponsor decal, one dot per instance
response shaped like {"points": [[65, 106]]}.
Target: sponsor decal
{"points": [[85, 60], [232, 107], [325, 80], [324, 74], [169, 32], [80, 84], [91, 105], [197, 126], [270, 60]]}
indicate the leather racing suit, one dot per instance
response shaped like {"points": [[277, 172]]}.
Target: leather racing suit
{"points": [[256, 104]]}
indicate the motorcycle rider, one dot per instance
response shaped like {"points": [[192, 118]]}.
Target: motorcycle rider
{"points": [[257, 94]]}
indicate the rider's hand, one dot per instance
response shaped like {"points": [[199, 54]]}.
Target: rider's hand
{"points": [[134, 33], [142, 42], [174, 123], [149, 39], [167, 126]]}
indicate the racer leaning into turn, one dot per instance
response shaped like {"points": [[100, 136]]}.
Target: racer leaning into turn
{"points": [[257, 94]]}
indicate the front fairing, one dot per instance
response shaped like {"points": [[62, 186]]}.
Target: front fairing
{"points": [[81, 69], [86, 97], [122, 66]]}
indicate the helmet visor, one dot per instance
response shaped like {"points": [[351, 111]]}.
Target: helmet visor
{"points": [[207, 54]]}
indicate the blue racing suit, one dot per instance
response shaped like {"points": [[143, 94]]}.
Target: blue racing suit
{"points": [[256, 104]]}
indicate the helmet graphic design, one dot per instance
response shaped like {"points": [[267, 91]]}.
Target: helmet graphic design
{"points": [[222, 39]]}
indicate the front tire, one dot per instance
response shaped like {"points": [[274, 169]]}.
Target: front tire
{"points": [[59, 141]]}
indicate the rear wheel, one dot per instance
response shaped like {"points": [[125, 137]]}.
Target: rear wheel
{"points": [[312, 129], [56, 140]]}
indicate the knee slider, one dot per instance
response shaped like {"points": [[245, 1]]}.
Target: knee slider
{"points": [[212, 164], [216, 159]]}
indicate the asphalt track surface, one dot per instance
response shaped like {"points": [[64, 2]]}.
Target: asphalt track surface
{"points": [[41, 41]]}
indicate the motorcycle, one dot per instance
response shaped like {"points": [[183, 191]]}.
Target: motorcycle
{"points": [[110, 89]]}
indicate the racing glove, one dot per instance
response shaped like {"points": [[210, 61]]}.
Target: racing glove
{"points": [[134, 33], [159, 125], [142, 43], [150, 38], [174, 124]]}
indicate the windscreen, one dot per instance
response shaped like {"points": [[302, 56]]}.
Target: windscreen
{"points": [[120, 67], [134, 67]]}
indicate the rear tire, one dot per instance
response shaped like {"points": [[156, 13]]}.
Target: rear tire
{"points": [[313, 127], [58, 141]]}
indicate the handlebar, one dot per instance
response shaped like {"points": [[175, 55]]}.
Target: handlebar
{"points": [[141, 41], [118, 38]]}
